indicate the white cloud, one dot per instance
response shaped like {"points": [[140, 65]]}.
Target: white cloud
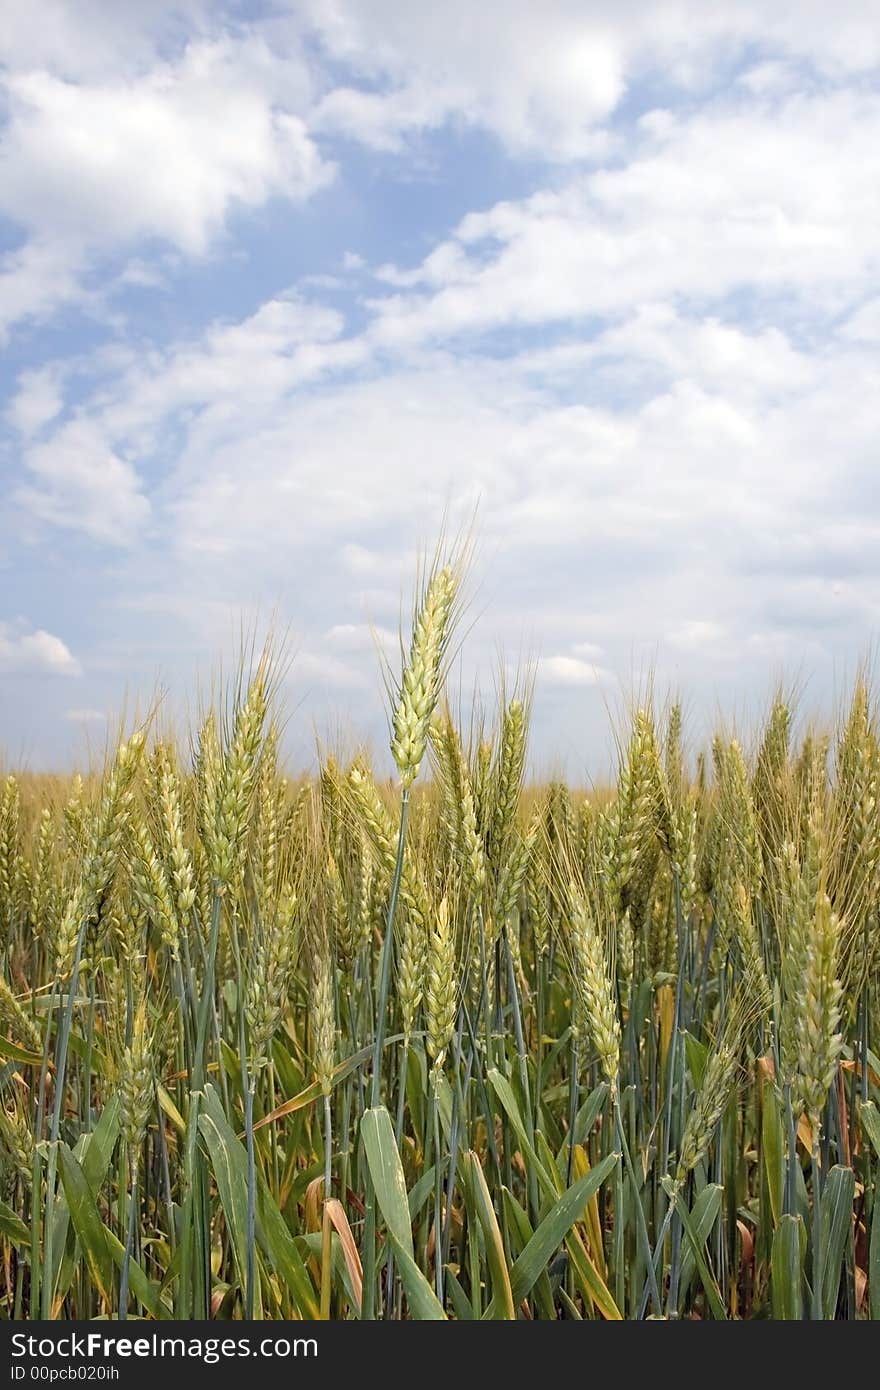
{"points": [[82, 484], [666, 458], [534, 84], [717, 468], [39, 398], [234, 367], [157, 124], [864, 325], [570, 670], [545, 82], [98, 155], [320, 668], [686, 219], [37, 279], [164, 155], [87, 716], [26, 651], [90, 39], [695, 634]]}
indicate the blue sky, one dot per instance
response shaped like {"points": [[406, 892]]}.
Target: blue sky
{"points": [[282, 283]]}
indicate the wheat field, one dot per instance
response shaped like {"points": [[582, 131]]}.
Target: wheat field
{"points": [[444, 1045]]}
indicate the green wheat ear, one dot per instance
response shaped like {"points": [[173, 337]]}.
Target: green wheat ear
{"points": [[420, 683], [592, 980]]}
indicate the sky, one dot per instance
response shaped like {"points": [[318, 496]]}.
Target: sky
{"points": [[284, 284]]}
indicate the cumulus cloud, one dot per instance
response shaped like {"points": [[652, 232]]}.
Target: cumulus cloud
{"points": [[26, 651], [37, 279], [737, 454], [685, 220], [91, 40], [38, 400], [239, 366], [570, 670], [96, 157], [326, 670], [546, 84], [81, 483], [159, 126], [166, 155]]}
